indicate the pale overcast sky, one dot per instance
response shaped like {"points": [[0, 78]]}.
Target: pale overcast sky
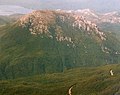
{"points": [[98, 5]]}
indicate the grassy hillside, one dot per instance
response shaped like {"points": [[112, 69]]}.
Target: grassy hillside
{"points": [[89, 81]]}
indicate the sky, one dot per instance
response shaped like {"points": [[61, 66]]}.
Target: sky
{"points": [[97, 5]]}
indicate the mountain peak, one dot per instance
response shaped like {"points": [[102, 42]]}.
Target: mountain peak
{"points": [[114, 13], [39, 22], [87, 12], [84, 10]]}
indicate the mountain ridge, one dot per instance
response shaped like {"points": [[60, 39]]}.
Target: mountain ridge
{"points": [[96, 17]]}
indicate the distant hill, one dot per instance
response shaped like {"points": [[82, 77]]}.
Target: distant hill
{"points": [[9, 19], [96, 17], [11, 13]]}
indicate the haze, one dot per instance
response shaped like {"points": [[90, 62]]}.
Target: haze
{"points": [[97, 5]]}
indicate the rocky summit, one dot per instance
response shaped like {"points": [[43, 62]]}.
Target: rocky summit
{"points": [[40, 21]]}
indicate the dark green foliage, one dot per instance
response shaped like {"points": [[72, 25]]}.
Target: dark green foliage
{"points": [[89, 81]]}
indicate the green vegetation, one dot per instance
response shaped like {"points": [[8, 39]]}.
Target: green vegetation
{"points": [[89, 81], [23, 54], [9, 19], [42, 65]]}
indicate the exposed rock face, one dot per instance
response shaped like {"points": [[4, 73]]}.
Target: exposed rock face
{"points": [[81, 22], [38, 22]]}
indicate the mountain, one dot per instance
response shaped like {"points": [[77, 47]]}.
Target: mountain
{"points": [[47, 41], [111, 17], [12, 9]]}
